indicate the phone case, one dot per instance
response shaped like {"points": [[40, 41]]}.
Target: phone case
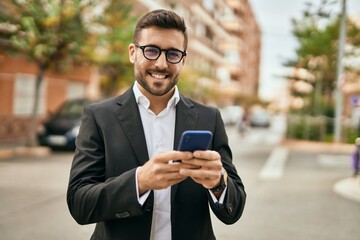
{"points": [[195, 140]]}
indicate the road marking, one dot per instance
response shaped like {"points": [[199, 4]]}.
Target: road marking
{"points": [[274, 166]]}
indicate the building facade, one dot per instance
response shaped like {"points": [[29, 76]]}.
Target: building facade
{"points": [[224, 49], [17, 87]]}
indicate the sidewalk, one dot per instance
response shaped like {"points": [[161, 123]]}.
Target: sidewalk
{"points": [[349, 188], [18, 149]]}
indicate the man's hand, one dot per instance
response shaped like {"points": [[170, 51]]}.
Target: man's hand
{"points": [[160, 173], [207, 168]]}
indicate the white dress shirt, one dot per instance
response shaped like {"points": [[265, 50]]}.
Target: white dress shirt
{"points": [[159, 134]]}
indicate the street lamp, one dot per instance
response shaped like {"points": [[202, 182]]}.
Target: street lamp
{"points": [[339, 75]]}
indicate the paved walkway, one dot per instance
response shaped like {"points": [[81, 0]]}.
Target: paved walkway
{"points": [[18, 149], [349, 188]]}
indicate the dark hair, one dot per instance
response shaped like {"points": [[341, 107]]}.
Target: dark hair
{"points": [[163, 19]]}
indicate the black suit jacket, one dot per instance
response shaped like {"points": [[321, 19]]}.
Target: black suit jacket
{"points": [[111, 145]]}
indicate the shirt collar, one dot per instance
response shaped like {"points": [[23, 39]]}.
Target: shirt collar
{"points": [[142, 100]]}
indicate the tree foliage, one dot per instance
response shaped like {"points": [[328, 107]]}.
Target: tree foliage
{"points": [[317, 32], [108, 48], [49, 33], [59, 33]]}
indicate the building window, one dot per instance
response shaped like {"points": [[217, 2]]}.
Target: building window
{"points": [[25, 93], [233, 57], [208, 33], [209, 5], [75, 90], [199, 29]]}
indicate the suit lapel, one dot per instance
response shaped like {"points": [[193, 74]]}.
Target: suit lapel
{"points": [[129, 117], [186, 118]]}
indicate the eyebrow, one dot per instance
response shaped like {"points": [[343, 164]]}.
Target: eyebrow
{"points": [[154, 45]]}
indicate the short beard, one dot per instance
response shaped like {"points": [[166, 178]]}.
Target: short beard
{"points": [[156, 89]]}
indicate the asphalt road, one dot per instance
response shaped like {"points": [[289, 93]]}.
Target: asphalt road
{"points": [[297, 202]]}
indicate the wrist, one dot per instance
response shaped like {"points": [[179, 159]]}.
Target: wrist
{"points": [[141, 187], [222, 183]]}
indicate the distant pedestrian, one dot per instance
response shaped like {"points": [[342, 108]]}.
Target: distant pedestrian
{"points": [[243, 122], [355, 158]]}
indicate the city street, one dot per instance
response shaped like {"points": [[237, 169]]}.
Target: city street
{"points": [[290, 194], [300, 203]]}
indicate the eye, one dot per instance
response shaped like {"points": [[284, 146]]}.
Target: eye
{"points": [[174, 54], [151, 51]]}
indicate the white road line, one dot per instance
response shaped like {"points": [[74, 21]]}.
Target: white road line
{"points": [[274, 166]]}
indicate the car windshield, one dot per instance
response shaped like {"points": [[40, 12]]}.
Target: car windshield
{"points": [[72, 109]]}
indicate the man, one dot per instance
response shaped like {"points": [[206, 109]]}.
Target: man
{"points": [[123, 176]]}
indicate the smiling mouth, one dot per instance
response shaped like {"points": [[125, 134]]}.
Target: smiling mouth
{"points": [[158, 75]]}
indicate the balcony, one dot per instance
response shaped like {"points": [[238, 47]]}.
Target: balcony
{"points": [[232, 25]]}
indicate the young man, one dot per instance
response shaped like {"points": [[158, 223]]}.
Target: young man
{"points": [[123, 177]]}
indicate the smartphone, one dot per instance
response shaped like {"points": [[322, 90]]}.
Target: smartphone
{"points": [[193, 140]]}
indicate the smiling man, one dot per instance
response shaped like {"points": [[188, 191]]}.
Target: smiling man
{"points": [[123, 176]]}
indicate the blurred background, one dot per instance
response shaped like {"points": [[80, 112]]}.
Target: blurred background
{"points": [[284, 74], [248, 54]]}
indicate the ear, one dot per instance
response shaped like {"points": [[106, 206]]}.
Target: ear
{"points": [[183, 60], [132, 53]]}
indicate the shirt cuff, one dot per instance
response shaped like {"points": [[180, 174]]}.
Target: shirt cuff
{"points": [[221, 199], [141, 199]]}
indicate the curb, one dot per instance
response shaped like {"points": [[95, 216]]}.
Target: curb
{"points": [[24, 152], [349, 188], [312, 146], [6, 153]]}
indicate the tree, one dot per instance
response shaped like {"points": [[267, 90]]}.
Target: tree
{"points": [[317, 33], [108, 46], [49, 33]]}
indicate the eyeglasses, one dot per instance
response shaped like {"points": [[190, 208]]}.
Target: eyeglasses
{"points": [[173, 56]]}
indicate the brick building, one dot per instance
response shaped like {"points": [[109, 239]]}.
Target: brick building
{"points": [[224, 48]]}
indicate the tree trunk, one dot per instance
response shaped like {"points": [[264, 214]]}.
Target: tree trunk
{"points": [[32, 141]]}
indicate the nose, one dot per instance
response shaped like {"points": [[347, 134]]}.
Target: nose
{"points": [[161, 61]]}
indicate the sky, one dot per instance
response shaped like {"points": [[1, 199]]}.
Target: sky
{"points": [[278, 44]]}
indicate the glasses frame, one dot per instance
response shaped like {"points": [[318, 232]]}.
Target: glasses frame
{"points": [[183, 53]]}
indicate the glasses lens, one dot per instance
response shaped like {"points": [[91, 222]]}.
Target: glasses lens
{"points": [[174, 56], [151, 52]]}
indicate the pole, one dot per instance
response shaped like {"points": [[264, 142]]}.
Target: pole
{"points": [[339, 75]]}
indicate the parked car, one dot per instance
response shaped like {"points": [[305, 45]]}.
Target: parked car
{"points": [[259, 118], [232, 114], [60, 130]]}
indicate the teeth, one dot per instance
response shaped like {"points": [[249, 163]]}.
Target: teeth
{"points": [[159, 76]]}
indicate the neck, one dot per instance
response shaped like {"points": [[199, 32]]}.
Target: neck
{"points": [[158, 103]]}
